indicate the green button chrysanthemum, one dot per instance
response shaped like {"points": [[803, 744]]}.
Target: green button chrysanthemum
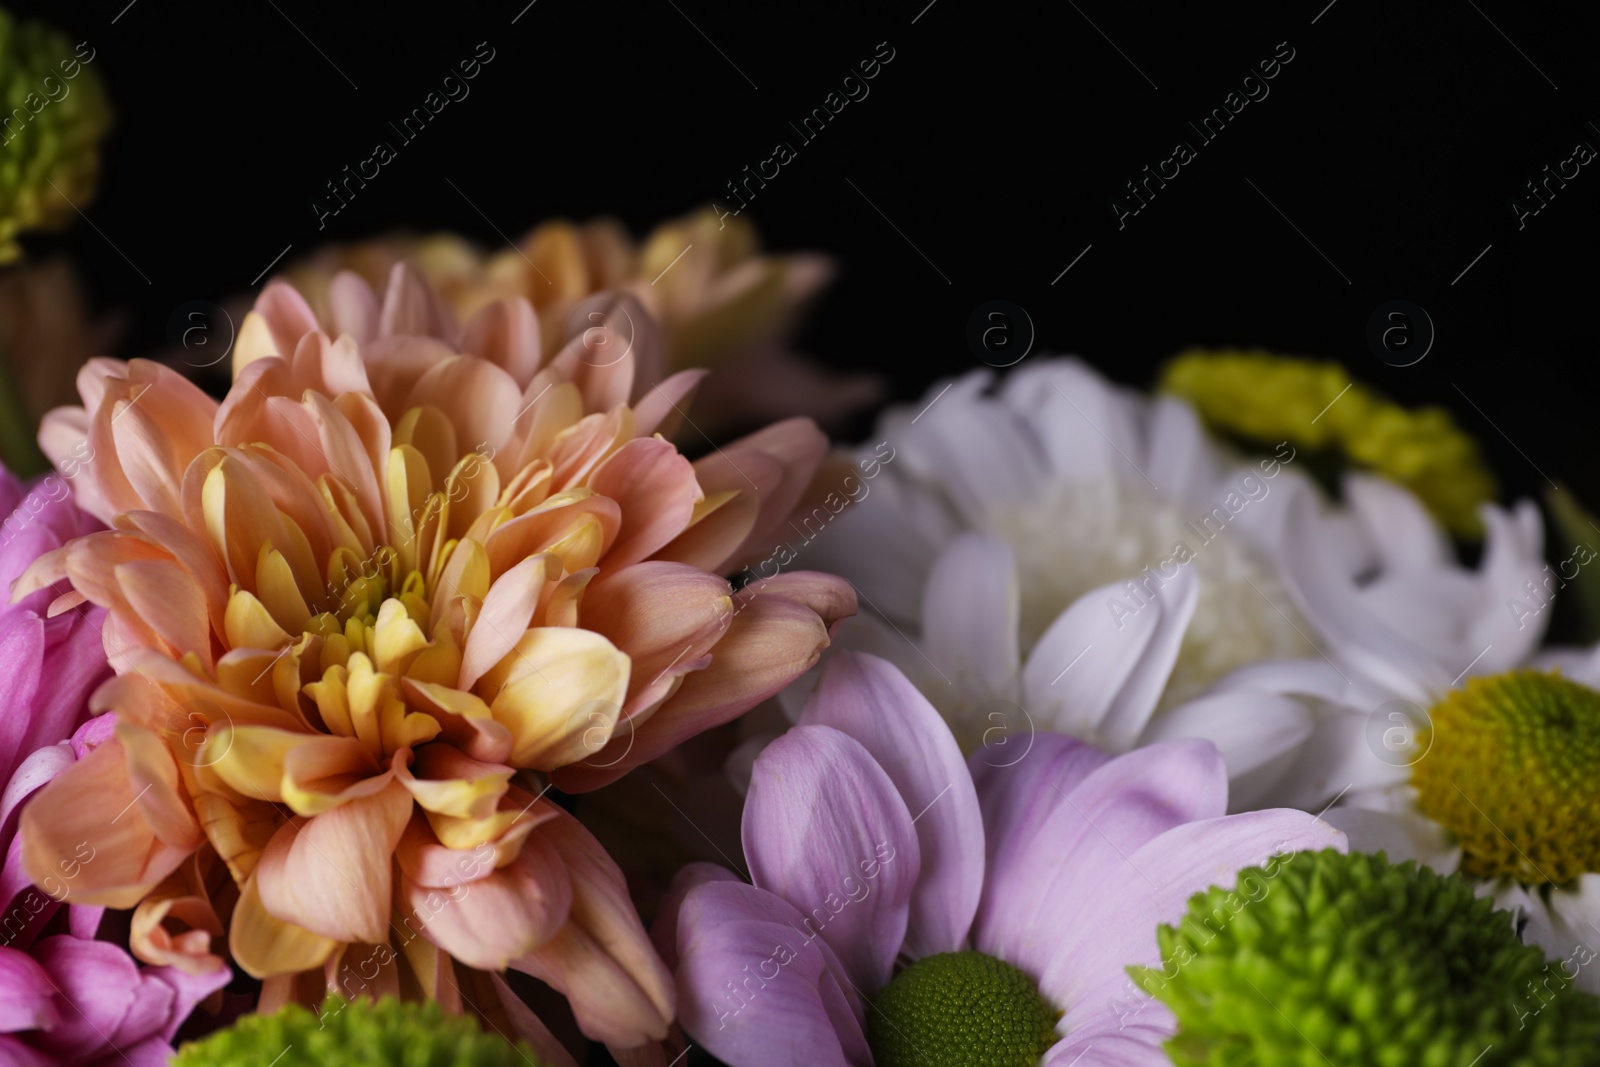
{"points": [[1351, 960], [360, 1033], [1262, 399], [53, 113]]}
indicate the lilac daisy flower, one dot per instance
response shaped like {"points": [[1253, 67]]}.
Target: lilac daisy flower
{"points": [[907, 906]]}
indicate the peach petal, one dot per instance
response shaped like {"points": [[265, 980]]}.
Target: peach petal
{"points": [[663, 409], [395, 363], [559, 692], [265, 945], [505, 615], [508, 912], [795, 446], [331, 874], [599, 359], [129, 858], [327, 772], [286, 315], [478, 398], [831, 597], [719, 529], [771, 642], [196, 557], [354, 307], [602, 958], [664, 616], [655, 487], [449, 783], [546, 525], [175, 925], [410, 307], [465, 720], [506, 333]]}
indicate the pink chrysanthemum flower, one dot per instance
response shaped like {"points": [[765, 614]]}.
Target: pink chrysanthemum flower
{"points": [[908, 907], [398, 568]]}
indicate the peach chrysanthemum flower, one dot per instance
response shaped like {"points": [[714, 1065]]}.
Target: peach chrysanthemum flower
{"points": [[721, 301], [364, 608]]}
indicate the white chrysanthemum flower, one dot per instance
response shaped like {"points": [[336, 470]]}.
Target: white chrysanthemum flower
{"points": [[1056, 553], [1485, 762]]}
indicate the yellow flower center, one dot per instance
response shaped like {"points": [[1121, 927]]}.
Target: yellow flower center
{"points": [[1513, 772]]}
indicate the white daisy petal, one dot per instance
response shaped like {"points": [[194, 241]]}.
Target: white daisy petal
{"points": [[969, 618], [1402, 836], [1249, 728]]}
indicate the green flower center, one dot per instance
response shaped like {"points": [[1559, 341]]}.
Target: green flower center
{"points": [[1513, 772], [1350, 960], [960, 1009]]}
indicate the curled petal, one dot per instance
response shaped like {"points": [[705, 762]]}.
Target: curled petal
{"points": [[150, 832], [559, 692], [770, 643], [503, 913], [602, 958], [331, 874]]}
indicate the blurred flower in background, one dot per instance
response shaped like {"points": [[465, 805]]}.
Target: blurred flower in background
{"points": [[55, 113], [720, 301], [1257, 399], [46, 334]]}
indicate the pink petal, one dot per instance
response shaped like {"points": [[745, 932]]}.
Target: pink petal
{"points": [[664, 930], [756, 990], [1137, 1046], [1116, 927], [868, 699], [16, 1054], [27, 999], [1102, 812], [98, 983], [188, 991], [826, 830], [22, 651]]}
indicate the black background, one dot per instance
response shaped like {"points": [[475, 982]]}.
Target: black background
{"points": [[990, 148], [994, 142]]}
